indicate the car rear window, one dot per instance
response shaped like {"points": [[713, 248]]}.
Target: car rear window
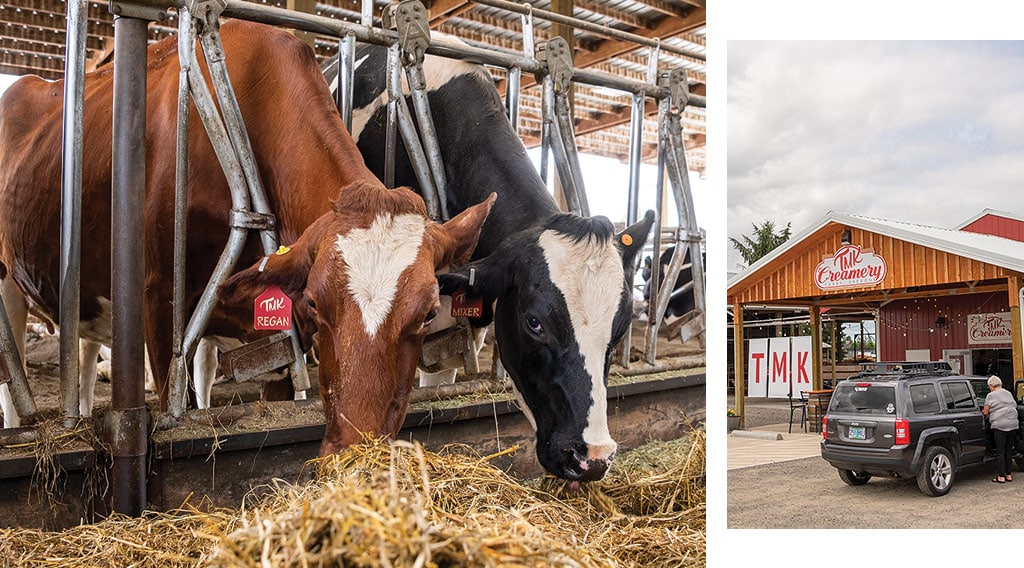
{"points": [[863, 398]]}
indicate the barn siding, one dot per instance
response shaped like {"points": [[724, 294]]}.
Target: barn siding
{"points": [[910, 324], [908, 265], [998, 226]]}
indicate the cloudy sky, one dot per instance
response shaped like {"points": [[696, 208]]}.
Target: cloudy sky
{"points": [[929, 132]]}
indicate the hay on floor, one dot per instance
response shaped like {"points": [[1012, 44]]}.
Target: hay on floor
{"points": [[396, 504]]}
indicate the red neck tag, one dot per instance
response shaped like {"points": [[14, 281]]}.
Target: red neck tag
{"points": [[273, 310], [463, 307]]}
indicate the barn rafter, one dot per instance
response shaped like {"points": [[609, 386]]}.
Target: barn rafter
{"points": [[32, 36]]}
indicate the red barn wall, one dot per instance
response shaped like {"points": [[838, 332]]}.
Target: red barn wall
{"points": [[998, 226], [910, 324]]}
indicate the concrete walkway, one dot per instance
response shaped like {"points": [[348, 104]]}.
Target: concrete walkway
{"points": [[756, 446], [746, 450]]}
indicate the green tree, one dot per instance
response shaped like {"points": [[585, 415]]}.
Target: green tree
{"points": [[762, 242]]}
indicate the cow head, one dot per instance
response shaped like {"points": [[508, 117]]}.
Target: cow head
{"points": [[563, 302], [365, 274]]}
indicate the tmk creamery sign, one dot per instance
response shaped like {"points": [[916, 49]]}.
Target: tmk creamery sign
{"points": [[989, 328], [850, 267]]}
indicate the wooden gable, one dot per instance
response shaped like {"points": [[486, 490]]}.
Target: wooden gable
{"points": [[791, 275]]}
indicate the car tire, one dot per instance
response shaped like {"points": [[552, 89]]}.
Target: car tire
{"points": [[937, 472], [854, 478]]}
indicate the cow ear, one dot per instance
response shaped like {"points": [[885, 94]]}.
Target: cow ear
{"points": [[490, 276], [288, 269], [461, 234], [631, 241]]}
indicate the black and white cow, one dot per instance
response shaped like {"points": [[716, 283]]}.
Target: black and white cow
{"points": [[557, 282], [681, 302]]}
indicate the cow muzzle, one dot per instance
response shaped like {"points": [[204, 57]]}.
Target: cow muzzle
{"points": [[584, 468]]}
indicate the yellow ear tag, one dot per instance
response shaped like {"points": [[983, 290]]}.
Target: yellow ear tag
{"points": [[282, 250], [627, 240]]}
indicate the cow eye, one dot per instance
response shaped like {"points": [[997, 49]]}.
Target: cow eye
{"points": [[430, 317], [534, 325], [312, 304]]}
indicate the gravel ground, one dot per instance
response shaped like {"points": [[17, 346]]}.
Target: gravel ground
{"points": [[807, 493]]}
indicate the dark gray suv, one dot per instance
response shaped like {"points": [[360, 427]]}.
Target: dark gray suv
{"points": [[907, 420]]}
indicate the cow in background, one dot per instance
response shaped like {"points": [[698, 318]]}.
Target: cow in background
{"points": [[681, 302], [360, 268], [558, 282]]}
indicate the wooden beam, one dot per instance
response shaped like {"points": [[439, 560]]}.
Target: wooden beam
{"points": [[618, 15], [739, 360], [440, 11], [667, 27], [1013, 286], [670, 9], [305, 7]]}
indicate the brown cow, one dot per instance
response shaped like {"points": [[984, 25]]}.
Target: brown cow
{"points": [[362, 259]]}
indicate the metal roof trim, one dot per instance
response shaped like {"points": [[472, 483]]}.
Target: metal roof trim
{"points": [[990, 249]]}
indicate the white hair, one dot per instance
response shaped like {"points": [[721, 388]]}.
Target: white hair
{"points": [[995, 381]]}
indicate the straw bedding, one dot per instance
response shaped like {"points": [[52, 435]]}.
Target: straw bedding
{"points": [[395, 504]]}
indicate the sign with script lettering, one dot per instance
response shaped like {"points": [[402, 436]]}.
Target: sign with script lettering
{"points": [[273, 310], [989, 328], [850, 267]]}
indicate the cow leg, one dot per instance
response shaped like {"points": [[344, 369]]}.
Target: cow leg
{"points": [[204, 371], [88, 351], [17, 315], [159, 345]]}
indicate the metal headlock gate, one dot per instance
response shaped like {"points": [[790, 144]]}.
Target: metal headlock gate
{"points": [[408, 42]]}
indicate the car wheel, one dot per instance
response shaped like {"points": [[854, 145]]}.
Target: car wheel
{"points": [[937, 472], [854, 478]]}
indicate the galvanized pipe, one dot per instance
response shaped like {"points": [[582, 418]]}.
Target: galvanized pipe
{"points": [[566, 173], [636, 135], [346, 75], [655, 309], [400, 119], [512, 96], [176, 398], [679, 174], [394, 80], [240, 201], [213, 52], [71, 210], [14, 371], [128, 172], [563, 118], [636, 131], [336, 28], [428, 136]]}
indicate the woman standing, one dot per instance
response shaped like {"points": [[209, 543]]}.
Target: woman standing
{"points": [[1001, 410]]}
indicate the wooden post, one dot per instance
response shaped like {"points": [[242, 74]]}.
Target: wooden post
{"points": [[1014, 284], [306, 7], [816, 382], [739, 360]]}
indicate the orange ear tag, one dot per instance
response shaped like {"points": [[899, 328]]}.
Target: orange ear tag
{"points": [[626, 239], [272, 310]]}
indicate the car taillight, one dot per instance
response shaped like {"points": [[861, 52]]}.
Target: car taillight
{"points": [[824, 427], [902, 431]]}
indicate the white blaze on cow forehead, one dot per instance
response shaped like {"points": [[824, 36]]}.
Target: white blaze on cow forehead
{"points": [[590, 277], [374, 259]]}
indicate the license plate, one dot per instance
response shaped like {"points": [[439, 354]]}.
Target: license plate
{"points": [[856, 433]]}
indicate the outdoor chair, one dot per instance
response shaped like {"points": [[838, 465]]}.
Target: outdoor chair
{"points": [[799, 403]]}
